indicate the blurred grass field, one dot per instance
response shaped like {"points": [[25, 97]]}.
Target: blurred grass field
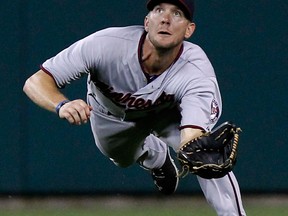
{"points": [[134, 206]]}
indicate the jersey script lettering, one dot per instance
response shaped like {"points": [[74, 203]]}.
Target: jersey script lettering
{"points": [[132, 102]]}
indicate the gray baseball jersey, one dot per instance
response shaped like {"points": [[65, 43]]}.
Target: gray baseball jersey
{"points": [[112, 60]]}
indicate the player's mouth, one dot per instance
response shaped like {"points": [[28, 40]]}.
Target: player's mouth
{"points": [[164, 33]]}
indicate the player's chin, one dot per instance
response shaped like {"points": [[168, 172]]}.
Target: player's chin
{"points": [[162, 45], [167, 43]]}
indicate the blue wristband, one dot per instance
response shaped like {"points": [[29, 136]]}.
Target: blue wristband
{"points": [[60, 105]]}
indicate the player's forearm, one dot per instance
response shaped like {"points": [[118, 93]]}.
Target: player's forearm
{"points": [[42, 90]]}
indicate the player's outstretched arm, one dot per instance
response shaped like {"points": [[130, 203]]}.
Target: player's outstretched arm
{"points": [[42, 90]]}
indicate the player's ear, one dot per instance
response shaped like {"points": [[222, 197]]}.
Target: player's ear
{"points": [[146, 23], [190, 30]]}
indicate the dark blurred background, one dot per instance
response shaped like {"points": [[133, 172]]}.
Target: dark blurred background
{"points": [[246, 42]]}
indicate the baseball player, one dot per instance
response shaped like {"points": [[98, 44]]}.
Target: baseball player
{"points": [[148, 90]]}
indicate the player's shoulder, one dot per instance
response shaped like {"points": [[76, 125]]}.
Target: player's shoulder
{"points": [[192, 51], [196, 58]]}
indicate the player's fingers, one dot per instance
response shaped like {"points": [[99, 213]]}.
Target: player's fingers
{"points": [[84, 115], [76, 116], [84, 111], [76, 112], [70, 114]]}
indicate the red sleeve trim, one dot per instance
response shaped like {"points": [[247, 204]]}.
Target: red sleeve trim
{"points": [[47, 72], [191, 126]]}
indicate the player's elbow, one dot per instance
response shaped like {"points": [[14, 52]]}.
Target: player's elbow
{"points": [[38, 80], [31, 85], [28, 86]]}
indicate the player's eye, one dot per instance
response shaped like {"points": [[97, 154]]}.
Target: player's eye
{"points": [[158, 9], [178, 13]]}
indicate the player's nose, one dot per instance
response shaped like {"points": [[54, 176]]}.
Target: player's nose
{"points": [[166, 18]]}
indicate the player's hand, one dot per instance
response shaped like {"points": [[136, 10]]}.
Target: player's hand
{"points": [[75, 112]]}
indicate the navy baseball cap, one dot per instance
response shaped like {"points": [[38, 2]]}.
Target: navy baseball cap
{"points": [[187, 6]]}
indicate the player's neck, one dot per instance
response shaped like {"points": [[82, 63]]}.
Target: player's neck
{"points": [[156, 61]]}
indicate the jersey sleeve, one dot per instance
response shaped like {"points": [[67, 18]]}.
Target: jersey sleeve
{"points": [[201, 104], [71, 63]]}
